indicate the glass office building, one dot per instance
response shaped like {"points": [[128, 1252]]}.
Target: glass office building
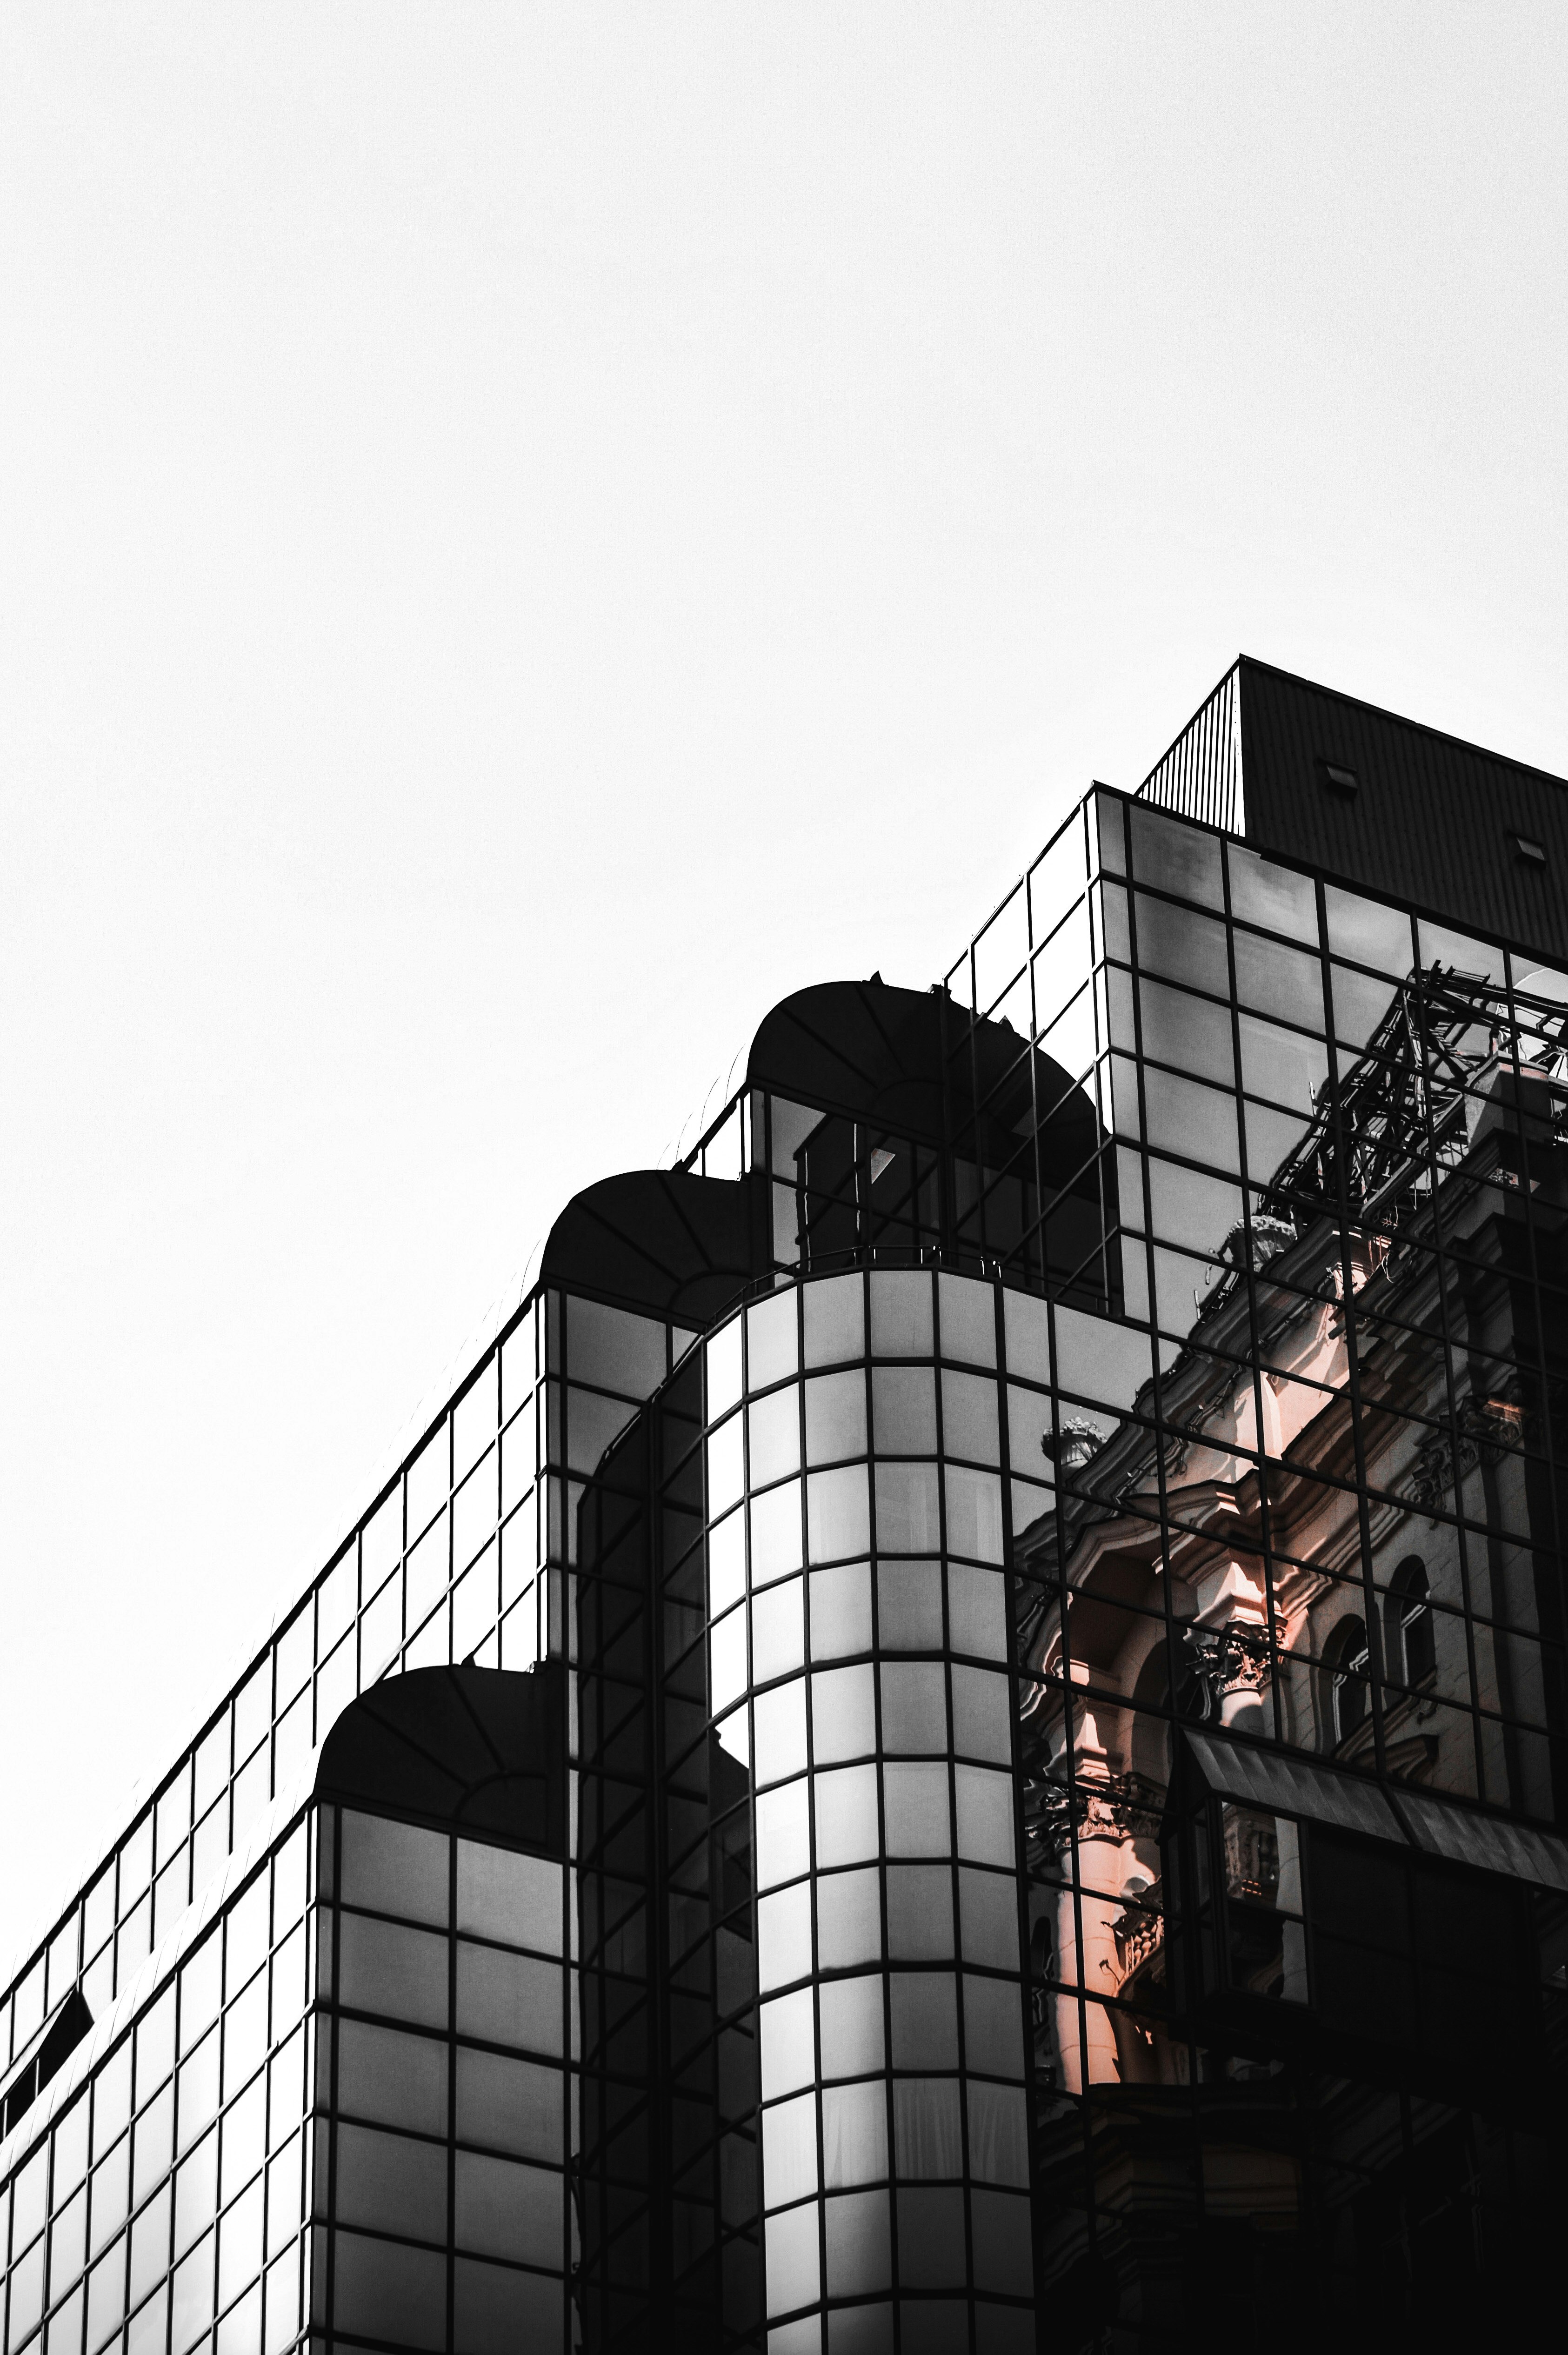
{"points": [[955, 1740]]}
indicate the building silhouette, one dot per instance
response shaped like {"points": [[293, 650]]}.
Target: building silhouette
{"points": [[955, 1741]]}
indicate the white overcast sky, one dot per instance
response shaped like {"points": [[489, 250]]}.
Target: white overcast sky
{"points": [[527, 533]]}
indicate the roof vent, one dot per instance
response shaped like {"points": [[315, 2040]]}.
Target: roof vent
{"points": [[1529, 852], [1339, 780]]}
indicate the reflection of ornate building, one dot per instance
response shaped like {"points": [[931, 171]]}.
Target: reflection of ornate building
{"points": [[954, 1739]]}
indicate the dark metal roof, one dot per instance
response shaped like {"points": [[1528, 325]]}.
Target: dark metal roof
{"points": [[1426, 818]]}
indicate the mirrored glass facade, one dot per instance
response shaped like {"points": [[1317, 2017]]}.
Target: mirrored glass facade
{"points": [[955, 1740]]}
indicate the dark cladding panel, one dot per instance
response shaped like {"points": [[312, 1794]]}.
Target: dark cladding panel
{"points": [[1422, 819]]}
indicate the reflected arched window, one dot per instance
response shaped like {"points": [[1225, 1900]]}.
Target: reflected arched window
{"points": [[1412, 1638], [1346, 1661]]}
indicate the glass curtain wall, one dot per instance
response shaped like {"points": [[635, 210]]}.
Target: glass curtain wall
{"points": [[164, 2178], [1307, 1495], [846, 2025]]}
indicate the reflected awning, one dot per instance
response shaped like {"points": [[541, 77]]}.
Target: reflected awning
{"points": [[1287, 1785]]}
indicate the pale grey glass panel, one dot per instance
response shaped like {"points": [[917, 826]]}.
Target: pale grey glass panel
{"points": [[1280, 981], [27, 2302], [787, 2043], [1027, 1326], [190, 2296], [859, 2260], [789, 2150], [976, 1609], [721, 1363], [982, 1716], [849, 1919], [778, 1732], [501, 1894], [1101, 1360], [773, 1436], [384, 1967], [993, 2027], [835, 1416], [843, 1715], [783, 1936], [791, 2264], [845, 1803], [1180, 859], [909, 1519], [1191, 1209], [928, 2136], [508, 1998], [245, 1936], [901, 1316], [1284, 1065], [775, 1532], [974, 1501], [726, 1451], [1263, 892], [150, 2245], [968, 1313], [915, 1802], [784, 1833], [615, 1349], [772, 1345], [296, 1653], [903, 1409], [111, 2100], [201, 1983], [919, 1913], [726, 1563], [244, 2137], [1192, 1033], [909, 1606], [196, 2192], [999, 2133], [68, 2244], [1368, 933], [154, 2142], [1182, 946], [391, 2078], [110, 2195], [239, 2262], [914, 1706], [852, 2029], [245, 2036], [1185, 1116], [838, 1510], [840, 1611], [854, 2135], [727, 1672], [1359, 1002], [70, 2154], [924, 2007], [390, 2181], [969, 1422], [506, 2208], [778, 1631], [988, 1905], [986, 1804], [835, 1320]]}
